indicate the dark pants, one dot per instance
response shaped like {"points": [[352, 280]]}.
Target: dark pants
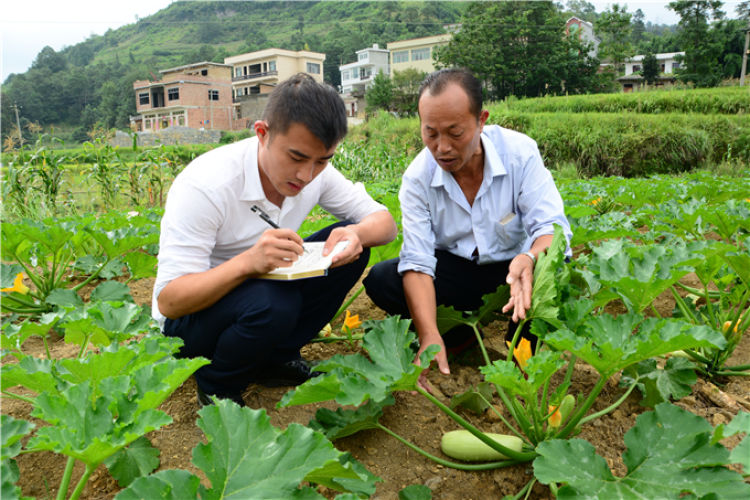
{"points": [[262, 323], [459, 283]]}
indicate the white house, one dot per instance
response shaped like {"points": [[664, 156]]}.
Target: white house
{"points": [[358, 76], [584, 30], [667, 63]]}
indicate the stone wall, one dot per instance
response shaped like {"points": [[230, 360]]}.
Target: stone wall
{"points": [[169, 136]]}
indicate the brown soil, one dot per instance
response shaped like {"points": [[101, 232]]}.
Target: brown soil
{"points": [[412, 416]]}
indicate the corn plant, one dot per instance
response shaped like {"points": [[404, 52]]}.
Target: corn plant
{"points": [[106, 169]]}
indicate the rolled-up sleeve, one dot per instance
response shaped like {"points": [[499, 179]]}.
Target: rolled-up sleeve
{"points": [[418, 248]]}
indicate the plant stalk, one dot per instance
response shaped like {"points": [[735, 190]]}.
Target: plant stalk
{"points": [[65, 482], [447, 463]]}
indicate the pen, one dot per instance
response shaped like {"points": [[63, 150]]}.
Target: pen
{"points": [[264, 216]]}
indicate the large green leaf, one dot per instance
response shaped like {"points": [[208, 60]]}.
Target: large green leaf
{"points": [[669, 455], [659, 385], [544, 295], [111, 291], [355, 378], [85, 427], [137, 460], [12, 430], [740, 424], [610, 343], [344, 422], [246, 457], [539, 368], [640, 273]]}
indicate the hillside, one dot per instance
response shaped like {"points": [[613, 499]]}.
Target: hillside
{"points": [[92, 81]]}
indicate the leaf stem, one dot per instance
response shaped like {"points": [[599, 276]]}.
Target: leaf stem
{"points": [[82, 482], [581, 411], [447, 463], [65, 482], [515, 455], [612, 406], [18, 396]]}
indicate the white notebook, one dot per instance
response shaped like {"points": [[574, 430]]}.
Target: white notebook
{"points": [[311, 263]]}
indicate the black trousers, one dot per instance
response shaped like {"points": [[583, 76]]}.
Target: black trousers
{"points": [[459, 283], [261, 323]]}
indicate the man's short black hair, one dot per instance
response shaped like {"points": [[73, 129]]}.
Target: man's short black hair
{"points": [[317, 106], [437, 81]]}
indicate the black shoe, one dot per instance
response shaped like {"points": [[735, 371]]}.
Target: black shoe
{"points": [[291, 373], [205, 399]]}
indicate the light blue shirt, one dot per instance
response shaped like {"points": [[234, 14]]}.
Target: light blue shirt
{"points": [[516, 203]]}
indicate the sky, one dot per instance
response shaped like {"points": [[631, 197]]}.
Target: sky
{"points": [[27, 26]]}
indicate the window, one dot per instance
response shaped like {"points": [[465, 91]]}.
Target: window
{"points": [[204, 72], [213, 95], [675, 65], [363, 56], [173, 94], [365, 73], [420, 54], [237, 71], [401, 56], [272, 66], [143, 98], [345, 75], [636, 68], [313, 68]]}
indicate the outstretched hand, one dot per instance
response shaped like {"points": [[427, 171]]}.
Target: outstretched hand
{"points": [[441, 358], [521, 280]]}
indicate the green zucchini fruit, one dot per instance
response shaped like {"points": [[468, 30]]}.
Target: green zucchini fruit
{"points": [[463, 445]]}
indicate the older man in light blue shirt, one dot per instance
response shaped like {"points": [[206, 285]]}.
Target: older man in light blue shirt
{"points": [[477, 207]]}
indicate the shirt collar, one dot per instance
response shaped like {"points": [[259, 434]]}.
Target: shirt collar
{"points": [[492, 164]]}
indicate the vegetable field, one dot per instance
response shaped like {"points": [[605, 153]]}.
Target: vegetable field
{"points": [[660, 266], [640, 387]]}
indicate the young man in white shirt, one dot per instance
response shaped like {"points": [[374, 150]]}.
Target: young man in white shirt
{"points": [[213, 246], [477, 207]]}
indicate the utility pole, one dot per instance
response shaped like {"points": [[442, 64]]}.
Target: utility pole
{"points": [[744, 56], [18, 124]]}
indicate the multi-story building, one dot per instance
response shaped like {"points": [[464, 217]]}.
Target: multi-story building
{"points": [[416, 53], [359, 75], [667, 63], [257, 73], [584, 30], [195, 95]]}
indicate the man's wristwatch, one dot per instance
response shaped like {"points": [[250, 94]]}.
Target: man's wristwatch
{"points": [[531, 256]]}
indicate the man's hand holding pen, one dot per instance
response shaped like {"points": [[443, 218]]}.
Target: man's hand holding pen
{"points": [[277, 247]]}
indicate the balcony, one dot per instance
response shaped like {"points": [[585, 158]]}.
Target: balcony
{"points": [[252, 76]]}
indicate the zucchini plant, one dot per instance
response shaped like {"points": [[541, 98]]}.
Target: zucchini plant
{"points": [[539, 412]]}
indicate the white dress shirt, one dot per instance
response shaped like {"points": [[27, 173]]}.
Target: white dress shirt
{"points": [[516, 203], [208, 218]]}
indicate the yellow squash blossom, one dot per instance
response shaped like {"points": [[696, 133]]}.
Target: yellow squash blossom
{"points": [[522, 352], [595, 201], [556, 418], [18, 286], [351, 322]]}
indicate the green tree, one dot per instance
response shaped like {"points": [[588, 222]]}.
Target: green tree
{"points": [[406, 90], [702, 47], [615, 31], [638, 29], [380, 95], [519, 48], [650, 69]]}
